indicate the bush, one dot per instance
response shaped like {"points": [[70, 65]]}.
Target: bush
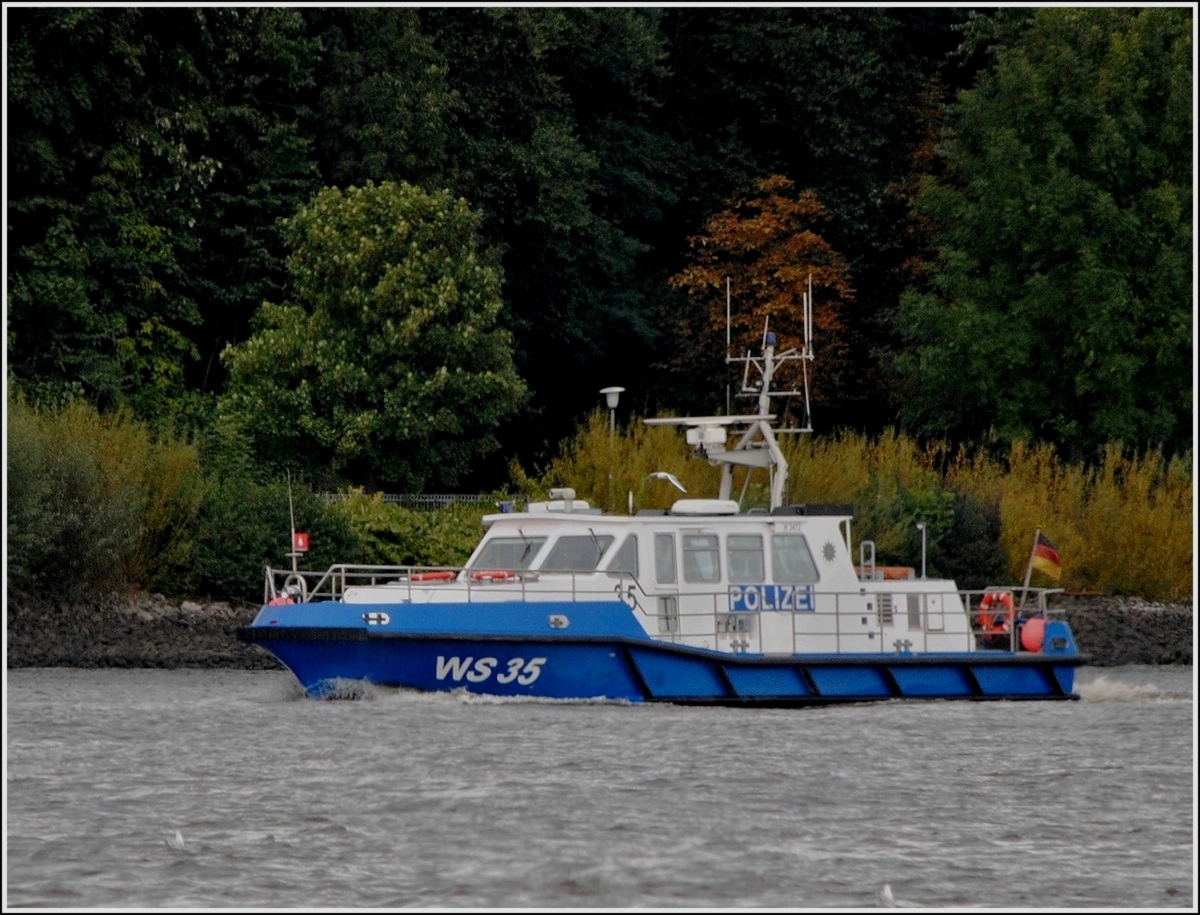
{"points": [[971, 553], [1121, 526], [95, 503], [244, 524], [391, 535]]}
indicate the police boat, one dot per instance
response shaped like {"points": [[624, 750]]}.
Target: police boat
{"points": [[702, 603]]}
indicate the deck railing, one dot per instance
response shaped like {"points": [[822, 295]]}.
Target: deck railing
{"points": [[685, 617]]}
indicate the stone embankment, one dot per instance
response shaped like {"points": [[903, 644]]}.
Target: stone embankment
{"points": [[1128, 630], [146, 630], [154, 631]]}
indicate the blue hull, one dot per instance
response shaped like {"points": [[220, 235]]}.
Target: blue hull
{"points": [[603, 656]]}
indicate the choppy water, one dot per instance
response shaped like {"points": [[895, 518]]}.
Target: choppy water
{"points": [[448, 801]]}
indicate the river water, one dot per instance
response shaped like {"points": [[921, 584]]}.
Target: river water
{"points": [[449, 801]]}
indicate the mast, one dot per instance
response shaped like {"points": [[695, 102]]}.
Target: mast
{"points": [[758, 446]]}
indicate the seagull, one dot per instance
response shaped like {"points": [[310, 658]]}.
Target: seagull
{"points": [[176, 842], [669, 477]]}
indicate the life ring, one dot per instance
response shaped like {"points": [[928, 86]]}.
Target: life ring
{"points": [[997, 621], [432, 576], [493, 575]]}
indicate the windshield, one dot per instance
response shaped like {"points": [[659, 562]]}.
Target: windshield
{"points": [[507, 553], [577, 553]]}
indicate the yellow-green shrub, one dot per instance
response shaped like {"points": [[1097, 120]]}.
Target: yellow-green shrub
{"points": [[1124, 526], [95, 502], [604, 468], [392, 535]]}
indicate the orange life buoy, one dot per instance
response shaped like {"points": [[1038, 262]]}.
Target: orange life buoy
{"points": [[493, 575], [996, 613], [432, 576]]}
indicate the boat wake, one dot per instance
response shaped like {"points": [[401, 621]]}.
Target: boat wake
{"points": [[465, 697], [364, 690], [1105, 689]]}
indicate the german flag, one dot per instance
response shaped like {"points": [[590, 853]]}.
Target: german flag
{"points": [[1045, 557]]}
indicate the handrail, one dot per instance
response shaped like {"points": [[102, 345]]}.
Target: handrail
{"points": [[696, 614]]}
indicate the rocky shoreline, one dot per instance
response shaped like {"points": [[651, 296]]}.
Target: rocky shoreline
{"points": [[150, 630], [144, 630]]}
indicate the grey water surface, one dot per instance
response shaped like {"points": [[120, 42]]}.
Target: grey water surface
{"points": [[399, 799]]}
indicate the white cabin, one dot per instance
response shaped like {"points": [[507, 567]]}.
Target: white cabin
{"points": [[703, 575]]}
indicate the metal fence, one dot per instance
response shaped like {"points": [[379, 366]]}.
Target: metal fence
{"points": [[432, 500]]}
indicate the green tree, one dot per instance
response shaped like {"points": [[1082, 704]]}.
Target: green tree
{"points": [[150, 153], [387, 367], [558, 142], [1060, 305], [105, 177]]}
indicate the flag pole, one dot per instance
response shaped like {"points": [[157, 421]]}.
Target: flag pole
{"points": [[292, 514], [1029, 569]]}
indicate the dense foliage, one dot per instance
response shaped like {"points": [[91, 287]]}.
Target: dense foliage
{"points": [[158, 158], [94, 502], [387, 366], [154, 152], [97, 503], [1060, 306], [766, 252], [150, 152]]}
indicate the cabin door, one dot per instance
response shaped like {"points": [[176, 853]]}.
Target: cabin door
{"points": [[666, 586], [707, 618]]}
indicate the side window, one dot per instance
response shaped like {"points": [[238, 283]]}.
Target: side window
{"points": [[745, 555], [914, 612], [626, 559], [793, 561], [576, 553], [701, 558], [664, 559]]}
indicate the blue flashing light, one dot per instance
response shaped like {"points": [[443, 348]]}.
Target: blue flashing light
{"points": [[770, 338]]}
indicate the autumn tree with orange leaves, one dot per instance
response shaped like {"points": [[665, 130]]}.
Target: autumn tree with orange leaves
{"points": [[768, 246]]}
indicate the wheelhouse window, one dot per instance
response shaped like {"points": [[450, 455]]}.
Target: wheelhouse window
{"points": [[793, 561], [576, 553], [664, 559], [744, 552], [626, 559], [914, 612], [508, 553], [701, 558]]}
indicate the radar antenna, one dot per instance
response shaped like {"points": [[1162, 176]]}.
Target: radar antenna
{"points": [[757, 446]]}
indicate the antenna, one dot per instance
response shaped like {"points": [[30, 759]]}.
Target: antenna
{"points": [[727, 298], [728, 396], [292, 514], [808, 327], [757, 445], [769, 362]]}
